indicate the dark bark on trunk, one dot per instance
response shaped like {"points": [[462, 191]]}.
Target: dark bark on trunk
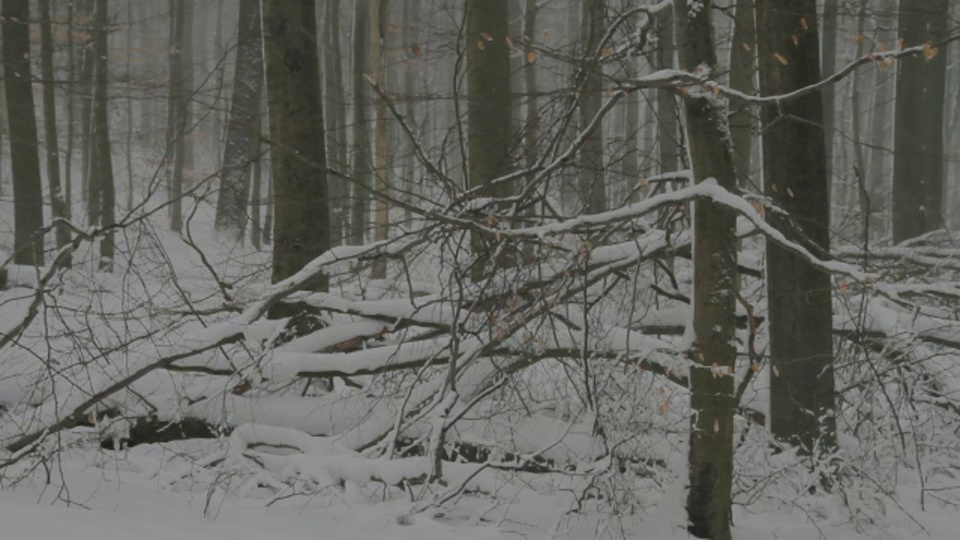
{"points": [[668, 136], [795, 172], [336, 117], [24, 147], [715, 283], [362, 160], [743, 63], [231, 217], [593, 193], [828, 61], [918, 135], [57, 204], [488, 106], [102, 162], [878, 170], [297, 155], [176, 114], [381, 168]]}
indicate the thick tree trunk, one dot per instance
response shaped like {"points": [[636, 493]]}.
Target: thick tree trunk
{"points": [[24, 146], [57, 204], [715, 282], [298, 155], [795, 173], [593, 192], [102, 162], [360, 189], [918, 135], [488, 106], [382, 208], [231, 216], [743, 62]]}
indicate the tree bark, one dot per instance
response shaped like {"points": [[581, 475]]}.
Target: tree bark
{"points": [[57, 205], [297, 155], [488, 106], [743, 64], [668, 136], [593, 193], [361, 137], [382, 208], [176, 114], [231, 216], [336, 118], [715, 283], [795, 171], [918, 130], [102, 162], [828, 61], [24, 146]]}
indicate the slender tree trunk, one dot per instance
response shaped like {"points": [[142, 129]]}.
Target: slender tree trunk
{"points": [[918, 133], [335, 116], [50, 124], [743, 55], [856, 102], [411, 16], [129, 107], [631, 156], [298, 156], [24, 146], [231, 216], [668, 136], [71, 99], [382, 208], [256, 167], [86, 109], [828, 60], [101, 158], [593, 193], [795, 171], [361, 138], [715, 281], [879, 168], [176, 115]]}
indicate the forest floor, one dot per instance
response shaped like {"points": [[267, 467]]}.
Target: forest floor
{"points": [[106, 498]]}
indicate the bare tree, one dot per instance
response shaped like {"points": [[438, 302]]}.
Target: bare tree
{"points": [[101, 159], [362, 160], [593, 192], [57, 204]]}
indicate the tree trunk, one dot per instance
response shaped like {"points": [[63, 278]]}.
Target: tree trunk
{"points": [[488, 107], [129, 101], [382, 209], [101, 159], [361, 137], [24, 159], [336, 118], [593, 193], [828, 61], [918, 134], [50, 124], [878, 169], [71, 99], [231, 216], [298, 156], [715, 281], [795, 172], [668, 136], [743, 54], [85, 10], [176, 114]]}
